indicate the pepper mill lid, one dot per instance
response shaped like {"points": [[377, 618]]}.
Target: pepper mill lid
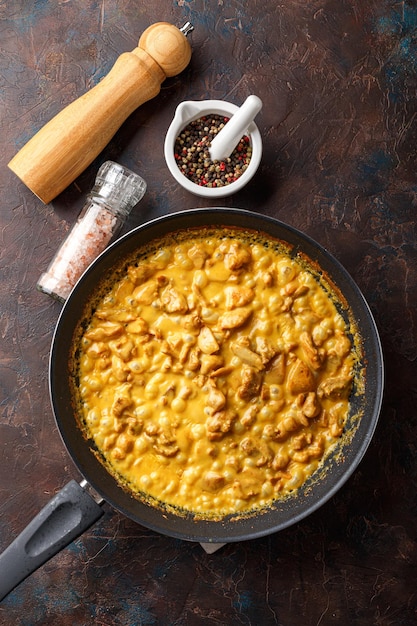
{"points": [[168, 46]]}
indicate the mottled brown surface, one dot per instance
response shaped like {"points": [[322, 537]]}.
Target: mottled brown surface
{"points": [[338, 79]]}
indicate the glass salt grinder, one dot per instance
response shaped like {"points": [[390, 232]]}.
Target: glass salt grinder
{"points": [[116, 191]]}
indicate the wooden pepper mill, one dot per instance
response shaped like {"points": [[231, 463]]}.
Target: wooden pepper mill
{"points": [[66, 145]]}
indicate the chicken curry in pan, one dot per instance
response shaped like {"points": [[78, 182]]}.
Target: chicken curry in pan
{"points": [[214, 370]]}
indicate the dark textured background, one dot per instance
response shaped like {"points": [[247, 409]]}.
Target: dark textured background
{"points": [[338, 79]]}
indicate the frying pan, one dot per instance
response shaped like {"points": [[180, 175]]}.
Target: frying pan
{"points": [[77, 506]]}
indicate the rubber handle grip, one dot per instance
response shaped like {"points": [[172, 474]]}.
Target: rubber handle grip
{"points": [[70, 512]]}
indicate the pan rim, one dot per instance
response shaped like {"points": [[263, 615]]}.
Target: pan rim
{"points": [[209, 530]]}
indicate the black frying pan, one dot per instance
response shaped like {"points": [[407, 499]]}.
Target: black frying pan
{"points": [[76, 507]]}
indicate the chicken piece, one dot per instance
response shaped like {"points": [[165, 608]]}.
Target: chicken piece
{"points": [[134, 426], [311, 406], [166, 444], [250, 482], [237, 296], [198, 256], [222, 371], [197, 298], [310, 351], [276, 370], [240, 348], [218, 424], [152, 429], [168, 450], [248, 446], [335, 419], [173, 344], [251, 380], [122, 400], [302, 441], [236, 255], [294, 289], [211, 362], [106, 330], [193, 362], [287, 304], [235, 318], [98, 348], [335, 387], [280, 461], [300, 378], [320, 333], [138, 327], [265, 454], [191, 322], [176, 342], [118, 454], [146, 293], [273, 432], [206, 341], [216, 399], [213, 481], [183, 356], [125, 443], [139, 274], [167, 364], [341, 347], [267, 279], [257, 448], [123, 347], [115, 315], [265, 392], [265, 349], [173, 300], [249, 416], [123, 290], [119, 369], [312, 451], [166, 437]]}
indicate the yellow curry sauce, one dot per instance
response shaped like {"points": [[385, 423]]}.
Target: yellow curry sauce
{"points": [[214, 371]]}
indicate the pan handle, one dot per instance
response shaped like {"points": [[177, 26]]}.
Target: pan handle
{"points": [[70, 512]]}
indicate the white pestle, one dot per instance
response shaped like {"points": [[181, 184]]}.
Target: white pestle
{"points": [[227, 139]]}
